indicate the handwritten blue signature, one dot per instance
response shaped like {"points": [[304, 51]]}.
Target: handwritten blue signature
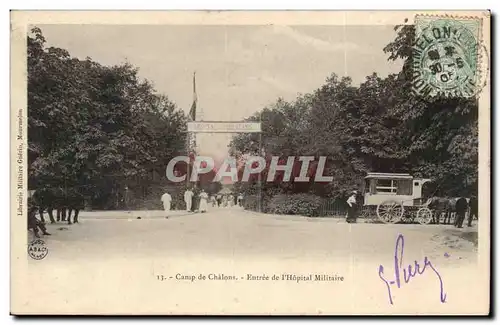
{"points": [[408, 272]]}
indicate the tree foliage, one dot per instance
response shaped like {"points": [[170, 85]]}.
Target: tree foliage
{"points": [[97, 128], [378, 126]]}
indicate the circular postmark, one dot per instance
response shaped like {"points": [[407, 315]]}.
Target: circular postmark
{"points": [[445, 58], [37, 249]]}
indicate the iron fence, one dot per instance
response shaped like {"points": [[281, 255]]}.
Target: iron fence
{"points": [[332, 207]]}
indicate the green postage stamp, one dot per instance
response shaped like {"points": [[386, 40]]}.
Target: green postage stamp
{"points": [[446, 60]]}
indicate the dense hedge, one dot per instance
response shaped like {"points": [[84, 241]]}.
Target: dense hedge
{"points": [[299, 204], [251, 202]]}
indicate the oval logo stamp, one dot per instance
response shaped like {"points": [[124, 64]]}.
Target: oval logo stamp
{"points": [[445, 57], [37, 249]]}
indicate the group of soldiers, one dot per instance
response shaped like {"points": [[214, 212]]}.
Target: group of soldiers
{"points": [[221, 200], [200, 201], [462, 207], [47, 199], [457, 207], [189, 197]]}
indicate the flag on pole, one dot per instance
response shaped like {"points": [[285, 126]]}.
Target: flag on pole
{"points": [[192, 112]]}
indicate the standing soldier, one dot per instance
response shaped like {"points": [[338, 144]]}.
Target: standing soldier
{"points": [[473, 210], [240, 199], [351, 210], [167, 201], [460, 209], [126, 198], [188, 199]]}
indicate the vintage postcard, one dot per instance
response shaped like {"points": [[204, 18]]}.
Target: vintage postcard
{"points": [[250, 163]]}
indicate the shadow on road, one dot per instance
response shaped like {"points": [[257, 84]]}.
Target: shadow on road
{"points": [[469, 235]]}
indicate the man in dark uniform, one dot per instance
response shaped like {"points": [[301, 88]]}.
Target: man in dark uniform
{"points": [[473, 210], [460, 209]]}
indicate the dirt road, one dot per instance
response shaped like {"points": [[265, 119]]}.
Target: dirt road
{"points": [[131, 261]]}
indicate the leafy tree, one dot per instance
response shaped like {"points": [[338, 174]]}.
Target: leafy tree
{"points": [[378, 126], [442, 133], [96, 128]]}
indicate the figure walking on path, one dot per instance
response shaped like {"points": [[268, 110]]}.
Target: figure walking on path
{"points": [[188, 199], [351, 210], [203, 201], [167, 201]]}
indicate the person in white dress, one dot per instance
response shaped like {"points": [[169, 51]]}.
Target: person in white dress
{"points": [[203, 201], [167, 201], [188, 199]]}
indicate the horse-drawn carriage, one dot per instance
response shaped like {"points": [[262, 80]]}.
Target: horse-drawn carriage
{"points": [[396, 197]]}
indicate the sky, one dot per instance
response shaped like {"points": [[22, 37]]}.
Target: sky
{"points": [[239, 69]]}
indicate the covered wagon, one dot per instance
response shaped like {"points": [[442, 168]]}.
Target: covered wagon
{"points": [[394, 197]]}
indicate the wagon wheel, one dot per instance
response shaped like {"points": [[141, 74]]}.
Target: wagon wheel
{"points": [[365, 212], [424, 216], [390, 211]]}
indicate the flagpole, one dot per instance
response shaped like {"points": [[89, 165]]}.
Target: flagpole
{"points": [[192, 117], [260, 173], [188, 141]]}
